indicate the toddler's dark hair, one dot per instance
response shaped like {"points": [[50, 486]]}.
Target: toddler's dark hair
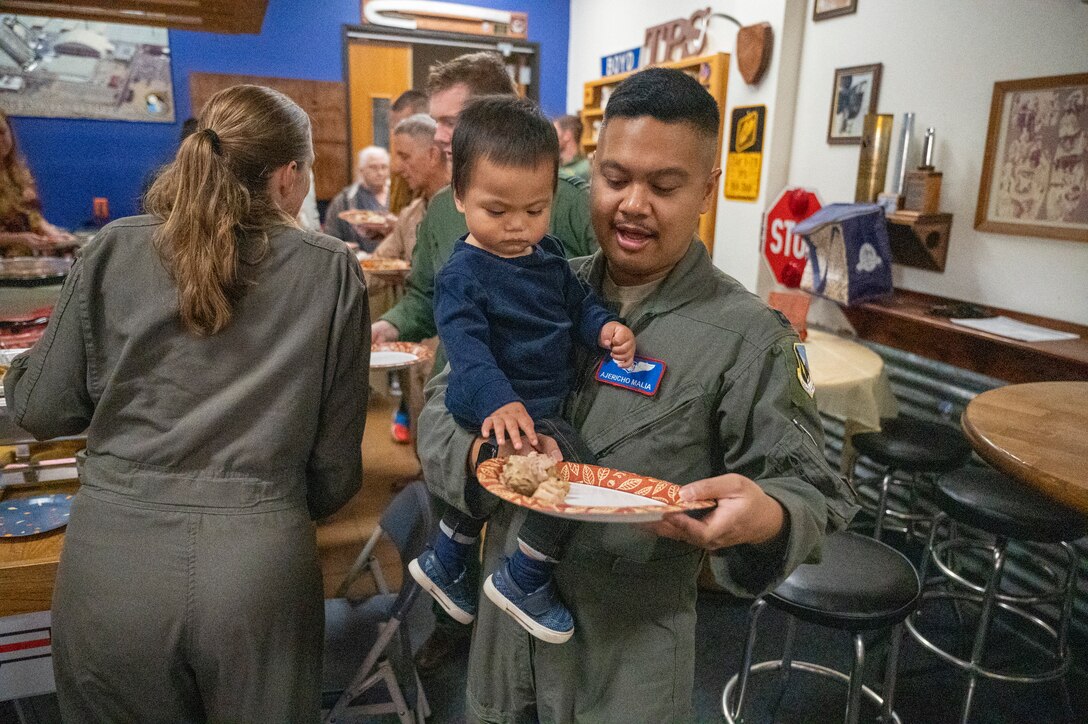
{"points": [[506, 130]]}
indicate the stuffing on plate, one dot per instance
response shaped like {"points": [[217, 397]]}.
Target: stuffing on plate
{"points": [[535, 475]]}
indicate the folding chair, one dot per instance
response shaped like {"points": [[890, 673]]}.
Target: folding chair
{"points": [[352, 626]]}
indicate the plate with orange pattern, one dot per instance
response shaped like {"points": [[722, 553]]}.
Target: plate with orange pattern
{"points": [[363, 217], [384, 266], [598, 494]]}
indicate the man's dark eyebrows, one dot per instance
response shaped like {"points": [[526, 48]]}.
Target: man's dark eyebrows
{"points": [[679, 172], [613, 166]]}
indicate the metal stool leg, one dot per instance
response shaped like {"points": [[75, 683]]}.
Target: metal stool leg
{"points": [[882, 503], [1070, 595], [891, 672], [787, 662], [746, 658], [983, 626], [857, 674], [923, 569], [912, 532]]}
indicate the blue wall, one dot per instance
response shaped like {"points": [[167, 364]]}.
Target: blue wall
{"points": [[76, 160]]}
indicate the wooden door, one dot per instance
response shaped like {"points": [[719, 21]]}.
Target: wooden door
{"points": [[322, 100], [377, 74]]}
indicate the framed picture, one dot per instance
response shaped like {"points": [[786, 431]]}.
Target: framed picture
{"points": [[853, 95], [824, 9], [1035, 168]]}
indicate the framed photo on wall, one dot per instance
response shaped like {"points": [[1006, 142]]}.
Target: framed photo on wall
{"points": [[824, 9], [1035, 168], [853, 95]]}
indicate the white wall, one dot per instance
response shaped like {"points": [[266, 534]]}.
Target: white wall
{"points": [[602, 27], [941, 59]]}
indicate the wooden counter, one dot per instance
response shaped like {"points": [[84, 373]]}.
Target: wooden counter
{"points": [[29, 565], [902, 321]]}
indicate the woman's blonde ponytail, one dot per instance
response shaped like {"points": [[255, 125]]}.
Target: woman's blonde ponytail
{"points": [[214, 197]]}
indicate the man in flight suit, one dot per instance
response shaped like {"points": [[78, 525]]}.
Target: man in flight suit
{"points": [[731, 417]]}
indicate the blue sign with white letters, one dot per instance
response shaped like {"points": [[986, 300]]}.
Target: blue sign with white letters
{"points": [[622, 62], [643, 376]]}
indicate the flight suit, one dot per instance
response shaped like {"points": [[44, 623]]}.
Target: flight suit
{"points": [[731, 401], [188, 589]]}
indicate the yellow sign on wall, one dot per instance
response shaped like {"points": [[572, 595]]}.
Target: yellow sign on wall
{"points": [[744, 161]]}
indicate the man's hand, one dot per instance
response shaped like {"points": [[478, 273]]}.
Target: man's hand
{"points": [[510, 420], [620, 341], [745, 514], [546, 445], [383, 331]]}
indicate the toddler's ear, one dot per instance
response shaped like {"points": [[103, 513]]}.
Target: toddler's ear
{"points": [[458, 203]]}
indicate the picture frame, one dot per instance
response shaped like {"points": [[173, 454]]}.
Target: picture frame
{"points": [[824, 9], [854, 94], [1035, 166]]}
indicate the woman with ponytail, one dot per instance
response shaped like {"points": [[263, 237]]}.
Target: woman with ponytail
{"points": [[217, 357]]}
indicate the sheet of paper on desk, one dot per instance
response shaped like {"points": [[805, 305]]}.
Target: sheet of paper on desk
{"points": [[1008, 327]]}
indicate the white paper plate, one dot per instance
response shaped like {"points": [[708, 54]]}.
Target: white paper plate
{"points": [[386, 360]]}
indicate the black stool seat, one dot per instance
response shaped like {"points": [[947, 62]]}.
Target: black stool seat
{"points": [[914, 445], [860, 584], [986, 499]]}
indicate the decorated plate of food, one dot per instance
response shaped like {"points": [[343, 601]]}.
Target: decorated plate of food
{"points": [[30, 516], [397, 355], [362, 217], [582, 492], [385, 267]]}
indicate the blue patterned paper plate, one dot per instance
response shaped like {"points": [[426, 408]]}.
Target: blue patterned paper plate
{"points": [[31, 516]]}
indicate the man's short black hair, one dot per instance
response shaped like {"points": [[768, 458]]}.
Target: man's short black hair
{"points": [[506, 130], [667, 95]]}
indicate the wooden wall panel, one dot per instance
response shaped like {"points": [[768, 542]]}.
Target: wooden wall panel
{"points": [[210, 16], [322, 100]]}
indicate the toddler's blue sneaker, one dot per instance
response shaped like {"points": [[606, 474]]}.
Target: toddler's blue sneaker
{"points": [[456, 595], [541, 613]]}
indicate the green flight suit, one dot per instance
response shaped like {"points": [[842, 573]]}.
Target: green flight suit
{"points": [[443, 224], [578, 167], [730, 400]]}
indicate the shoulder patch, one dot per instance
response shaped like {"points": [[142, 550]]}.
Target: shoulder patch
{"points": [[804, 375]]}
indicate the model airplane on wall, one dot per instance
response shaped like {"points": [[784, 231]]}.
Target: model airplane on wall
{"points": [[449, 17]]}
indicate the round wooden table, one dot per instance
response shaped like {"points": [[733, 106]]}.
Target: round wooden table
{"points": [[1037, 433]]}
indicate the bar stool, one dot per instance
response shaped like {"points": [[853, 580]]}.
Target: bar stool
{"points": [[910, 446], [1009, 510], [860, 585]]}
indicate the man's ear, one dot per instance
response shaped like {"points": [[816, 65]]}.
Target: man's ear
{"points": [[709, 193]]}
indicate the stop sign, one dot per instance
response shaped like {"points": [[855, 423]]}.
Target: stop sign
{"points": [[784, 250]]}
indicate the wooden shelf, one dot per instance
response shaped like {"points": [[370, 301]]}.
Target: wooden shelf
{"points": [[712, 72], [903, 322], [919, 240]]}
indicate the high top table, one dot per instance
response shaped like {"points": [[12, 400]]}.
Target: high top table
{"points": [[1036, 433]]}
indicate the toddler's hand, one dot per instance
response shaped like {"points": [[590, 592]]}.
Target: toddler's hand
{"points": [[620, 341], [510, 420]]}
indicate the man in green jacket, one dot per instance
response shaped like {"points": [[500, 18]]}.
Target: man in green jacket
{"points": [[733, 418], [450, 86]]}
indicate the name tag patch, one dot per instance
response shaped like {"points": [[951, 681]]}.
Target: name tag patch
{"points": [[643, 376]]}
